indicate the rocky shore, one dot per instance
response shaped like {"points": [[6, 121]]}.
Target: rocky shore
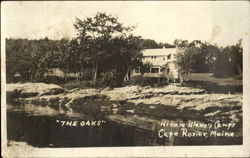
{"points": [[134, 105]]}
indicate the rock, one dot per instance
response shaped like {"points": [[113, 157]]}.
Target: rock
{"points": [[94, 97], [115, 110], [123, 93], [114, 105], [72, 90], [152, 107], [174, 97], [33, 89], [173, 92], [183, 93], [107, 89], [131, 111]]}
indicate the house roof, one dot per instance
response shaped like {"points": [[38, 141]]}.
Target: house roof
{"points": [[158, 51]]}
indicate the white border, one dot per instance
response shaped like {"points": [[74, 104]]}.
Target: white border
{"points": [[162, 151], [3, 88]]}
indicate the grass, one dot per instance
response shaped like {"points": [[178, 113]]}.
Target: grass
{"points": [[212, 84], [235, 80], [206, 81]]}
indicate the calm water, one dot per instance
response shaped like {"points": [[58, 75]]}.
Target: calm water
{"points": [[38, 126]]}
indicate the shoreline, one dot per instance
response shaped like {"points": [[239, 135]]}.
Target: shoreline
{"points": [[141, 107]]}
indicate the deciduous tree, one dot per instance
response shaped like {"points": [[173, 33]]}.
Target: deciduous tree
{"points": [[108, 43]]}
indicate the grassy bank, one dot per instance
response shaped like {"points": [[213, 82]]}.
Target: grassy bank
{"points": [[212, 84]]}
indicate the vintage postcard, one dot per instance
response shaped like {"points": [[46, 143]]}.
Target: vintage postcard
{"points": [[125, 78]]}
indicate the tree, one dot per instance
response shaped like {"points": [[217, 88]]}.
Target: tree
{"points": [[30, 58], [209, 55], [236, 57], [145, 68], [124, 56], [166, 45], [180, 43], [148, 44], [229, 60], [185, 59], [152, 44], [21, 57], [107, 43]]}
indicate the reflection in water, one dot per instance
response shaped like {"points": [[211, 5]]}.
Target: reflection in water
{"points": [[38, 126]]}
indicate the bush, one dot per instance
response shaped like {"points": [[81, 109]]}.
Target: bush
{"points": [[163, 82], [78, 84], [107, 79], [87, 74], [145, 81]]}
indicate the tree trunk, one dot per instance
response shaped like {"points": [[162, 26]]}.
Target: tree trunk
{"points": [[95, 74], [181, 79], [209, 63], [188, 72], [126, 77], [188, 76], [65, 77]]}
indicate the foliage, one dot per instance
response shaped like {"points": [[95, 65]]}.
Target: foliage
{"points": [[108, 79], [145, 81], [78, 84], [109, 45], [105, 51], [206, 59], [151, 44], [185, 59], [200, 57], [144, 68], [148, 43], [139, 80], [30, 58], [229, 61]]}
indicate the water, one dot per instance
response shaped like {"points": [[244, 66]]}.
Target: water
{"points": [[38, 126]]}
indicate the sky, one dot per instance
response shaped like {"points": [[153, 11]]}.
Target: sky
{"points": [[223, 22]]}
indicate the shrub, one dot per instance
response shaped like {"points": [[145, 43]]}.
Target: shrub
{"points": [[145, 81], [87, 74], [78, 84], [107, 79], [163, 82]]}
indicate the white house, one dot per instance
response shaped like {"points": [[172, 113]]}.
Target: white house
{"points": [[162, 61]]}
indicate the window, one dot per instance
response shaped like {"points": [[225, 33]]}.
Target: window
{"points": [[163, 58], [154, 70], [168, 70]]}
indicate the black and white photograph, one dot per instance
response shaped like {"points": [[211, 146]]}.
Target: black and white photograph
{"points": [[122, 75]]}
